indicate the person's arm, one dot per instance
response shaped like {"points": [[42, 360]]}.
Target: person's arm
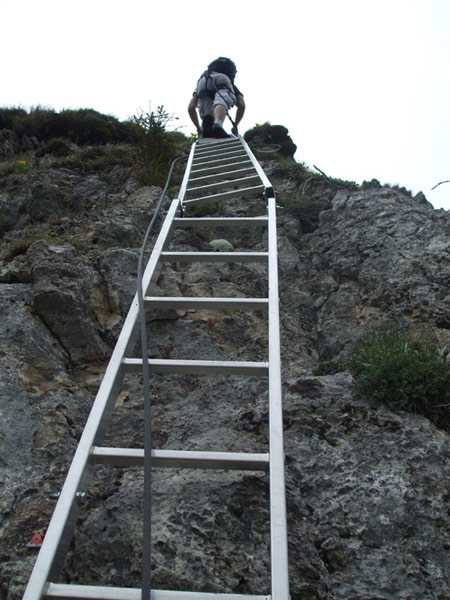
{"points": [[240, 110], [192, 110], [240, 106]]}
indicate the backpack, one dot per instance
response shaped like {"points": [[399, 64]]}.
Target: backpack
{"points": [[223, 65]]}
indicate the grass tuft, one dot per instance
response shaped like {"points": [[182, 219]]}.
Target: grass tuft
{"points": [[397, 368]]}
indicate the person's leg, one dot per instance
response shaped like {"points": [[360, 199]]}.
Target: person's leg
{"points": [[206, 114], [205, 106], [220, 113], [223, 100], [207, 125]]}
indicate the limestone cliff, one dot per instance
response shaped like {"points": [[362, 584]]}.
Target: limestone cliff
{"points": [[367, 488]]}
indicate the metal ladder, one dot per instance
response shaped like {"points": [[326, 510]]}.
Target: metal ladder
{"points": [[217, 171]]}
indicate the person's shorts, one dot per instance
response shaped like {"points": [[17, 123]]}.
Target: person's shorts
{"points": [[219, 94]]}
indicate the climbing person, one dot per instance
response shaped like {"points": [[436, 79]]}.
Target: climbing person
{"points": [[214, 95]]}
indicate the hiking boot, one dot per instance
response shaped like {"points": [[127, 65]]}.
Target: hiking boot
{"points": [[219, 132], [207, 124]]}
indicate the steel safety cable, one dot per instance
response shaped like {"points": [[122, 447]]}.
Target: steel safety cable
{"points": [[147, 508]]}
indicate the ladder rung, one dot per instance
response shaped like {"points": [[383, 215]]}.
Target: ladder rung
{"points": [[221, 147], [213, 141], [198, 367], [241, 257], [224, 145], [219, 168], [64, 591], [224, 184], [181, 459], [222, 221], [254, 192], [219, 153], [227, 175], [206, 303], [219, 161]]}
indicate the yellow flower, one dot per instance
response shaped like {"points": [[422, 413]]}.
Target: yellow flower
{"points": [[21, 166]]}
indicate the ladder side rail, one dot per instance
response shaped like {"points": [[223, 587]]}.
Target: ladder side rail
{"points": [[61, 525], [186, 176], [256, 164], [278, 519]]}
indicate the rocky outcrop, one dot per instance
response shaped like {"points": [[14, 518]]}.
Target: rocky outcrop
{"points": [[372, 491], [367, 488], [12, 144], [377, 255], [267, 134]]}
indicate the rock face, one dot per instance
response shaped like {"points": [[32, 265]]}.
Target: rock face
{"points": [[367, 489], [380, 255]]}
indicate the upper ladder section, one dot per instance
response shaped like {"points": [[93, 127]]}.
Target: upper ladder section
{"points": [[221, 172]]}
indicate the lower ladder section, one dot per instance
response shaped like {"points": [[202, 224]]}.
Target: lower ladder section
{"points": [[217, 171]]}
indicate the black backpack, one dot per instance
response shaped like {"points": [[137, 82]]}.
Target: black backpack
{"points": [[223, 65]]}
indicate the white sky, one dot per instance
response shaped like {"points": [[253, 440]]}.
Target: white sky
{"points": [[362, 85]]}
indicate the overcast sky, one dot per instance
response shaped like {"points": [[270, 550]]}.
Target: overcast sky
{"points": [[362, 85]]}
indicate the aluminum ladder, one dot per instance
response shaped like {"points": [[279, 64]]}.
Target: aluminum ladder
{"points": [[217, 170]]}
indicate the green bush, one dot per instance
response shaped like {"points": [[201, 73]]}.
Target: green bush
{"points": [[330, 367], [97, 158], [397, 368], [82, 126], [300, 173], [306, 209], [40, 122], [16, 165], [57, 147], [9, 115], [156, 148], [142, 143], [87, 126]]}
